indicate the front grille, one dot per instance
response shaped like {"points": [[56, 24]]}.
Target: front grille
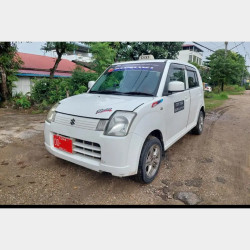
{"points": [[79, 122], [85, 148]]}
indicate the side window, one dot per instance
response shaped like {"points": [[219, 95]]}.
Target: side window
{"points": [[192, 79], [176, 73]]}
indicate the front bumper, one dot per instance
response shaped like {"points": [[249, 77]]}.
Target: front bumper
{"points": [[119, 155]]}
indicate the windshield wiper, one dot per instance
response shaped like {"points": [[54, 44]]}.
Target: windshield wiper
{"points": [[137, 93]]}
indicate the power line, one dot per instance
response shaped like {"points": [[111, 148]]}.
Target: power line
{"points": [[246, 52], [236, 46], [203, 46]]}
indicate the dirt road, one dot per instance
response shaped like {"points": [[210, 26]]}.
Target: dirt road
{"points": [[213, 168]]}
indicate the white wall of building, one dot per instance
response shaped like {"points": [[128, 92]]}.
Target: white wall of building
{"points": [[193, 56], [23, 85], [79, 56]]}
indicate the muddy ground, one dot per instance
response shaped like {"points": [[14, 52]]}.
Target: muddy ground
{"points": [[212, 169]]}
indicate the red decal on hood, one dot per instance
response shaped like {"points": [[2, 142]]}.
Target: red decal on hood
{"points": [[103, 110]]}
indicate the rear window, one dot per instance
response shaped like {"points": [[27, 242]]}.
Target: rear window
{"points": [[192, 79]]}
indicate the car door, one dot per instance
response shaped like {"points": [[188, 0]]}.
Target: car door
{"points": [[196, 92], [176, 105]]}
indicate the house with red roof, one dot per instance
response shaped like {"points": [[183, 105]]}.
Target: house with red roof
{"points": [[37, 66]]}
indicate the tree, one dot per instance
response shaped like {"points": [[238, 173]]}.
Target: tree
{"points": [[204, 72], [10, 62], [61, 48], [227, 68], [160, 50], [104, 55]]}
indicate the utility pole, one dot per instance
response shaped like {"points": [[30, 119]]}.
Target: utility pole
{"points": [[243, 73], [226, 43], [223, 81]]}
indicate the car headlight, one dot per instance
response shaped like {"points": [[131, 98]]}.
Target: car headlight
{"points": [[119, 123], [52, 113]]}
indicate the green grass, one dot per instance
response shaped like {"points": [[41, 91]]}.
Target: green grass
{"points": [[211, 104], [216, 98]]}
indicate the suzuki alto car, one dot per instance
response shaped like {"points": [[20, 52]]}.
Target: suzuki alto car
{"points": [[132, 114]]}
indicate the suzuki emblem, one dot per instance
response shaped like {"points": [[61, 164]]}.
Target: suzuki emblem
{"points": [[72, 122]]}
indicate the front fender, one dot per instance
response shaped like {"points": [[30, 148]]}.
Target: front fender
{"points": [[148, 122]]}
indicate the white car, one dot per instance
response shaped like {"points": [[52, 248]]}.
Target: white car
{"points": [[129, 117], [207, 88]]}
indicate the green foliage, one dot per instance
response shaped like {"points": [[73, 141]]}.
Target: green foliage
{"points": [[22, 101], [211, 95], [104, 55], [211, 104], [79, 81], [227, 68], [204, 72], [60, 47], [216, 98], [160, 50], [49, 91], [234, 89], [10, 62], [247, 87]]}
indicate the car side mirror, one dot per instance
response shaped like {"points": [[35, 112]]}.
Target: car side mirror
{"points": [[176, 86], [90, 84]]}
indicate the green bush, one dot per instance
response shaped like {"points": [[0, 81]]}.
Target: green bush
{"points": [[208, 94], [22, 101], [247, 87], [220, 96], [233, 88], [49, 91], [217, 89]]}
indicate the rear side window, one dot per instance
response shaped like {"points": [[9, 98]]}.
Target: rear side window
{"points": [[176, 73], [192, 79]]}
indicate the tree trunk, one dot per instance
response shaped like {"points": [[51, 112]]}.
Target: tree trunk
{"points": [[3, 87], [222, 86], [52, 71]]}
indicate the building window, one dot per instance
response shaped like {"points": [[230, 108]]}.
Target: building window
{"points": [[190, 58]]}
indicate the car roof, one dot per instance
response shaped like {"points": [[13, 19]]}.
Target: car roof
{"points": [[141, 61], [156, 60]]}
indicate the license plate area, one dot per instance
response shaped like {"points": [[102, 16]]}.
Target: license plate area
{"points": [[63, 143]]}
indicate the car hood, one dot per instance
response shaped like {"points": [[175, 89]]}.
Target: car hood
{"points": [[100, 105]]}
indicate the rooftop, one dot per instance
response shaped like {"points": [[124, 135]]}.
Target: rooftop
{"points": [[37, 65], [192, 45]]}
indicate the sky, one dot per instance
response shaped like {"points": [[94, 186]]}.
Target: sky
{"points": [[243, 49]]}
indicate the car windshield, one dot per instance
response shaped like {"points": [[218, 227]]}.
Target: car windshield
{"points": [[206, 85], [130, 79]]}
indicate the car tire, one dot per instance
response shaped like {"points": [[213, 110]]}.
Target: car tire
{"points": [[150, 160], [197, 130]]}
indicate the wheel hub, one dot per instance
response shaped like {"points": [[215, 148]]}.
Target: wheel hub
{"points": [[152, 160]]}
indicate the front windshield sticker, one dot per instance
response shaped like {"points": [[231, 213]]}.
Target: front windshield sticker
{"points": [[137, 66], [133, 68], [103, 110]]}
